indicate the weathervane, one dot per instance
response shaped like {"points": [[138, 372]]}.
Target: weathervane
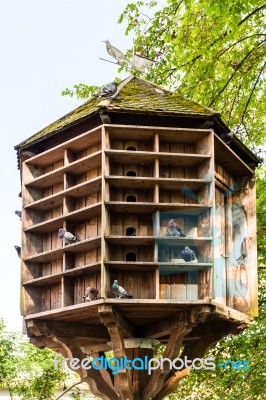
{"points": [[140, 63]]}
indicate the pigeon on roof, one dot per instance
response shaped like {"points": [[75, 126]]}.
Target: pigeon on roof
{"points": [[108, 90], [117, 54]]}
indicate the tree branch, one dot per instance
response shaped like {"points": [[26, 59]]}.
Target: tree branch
{"points": [[252, 91], [252, 13]]}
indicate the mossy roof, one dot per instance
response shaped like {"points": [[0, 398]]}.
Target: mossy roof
{"points": [[133, 95]]}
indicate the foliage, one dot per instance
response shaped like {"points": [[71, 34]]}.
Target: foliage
{"points": [[82, 91], [28, 371], [261, 215], [231, 384], [213, 52]]}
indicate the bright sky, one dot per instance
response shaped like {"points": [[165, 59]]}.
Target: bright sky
{"points": [[45, 46]]}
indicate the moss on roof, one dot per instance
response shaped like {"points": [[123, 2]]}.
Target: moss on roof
{"points": [[133, 95]]}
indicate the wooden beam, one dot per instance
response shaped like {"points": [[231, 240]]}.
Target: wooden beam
{"points": [[99, 381], [109, 312], [113, 321], [172, 348], [164, 326], [67, 329], [172, 384]]}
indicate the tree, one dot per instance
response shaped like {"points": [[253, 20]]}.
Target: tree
{"points": [[29, 372], [212, 52]]}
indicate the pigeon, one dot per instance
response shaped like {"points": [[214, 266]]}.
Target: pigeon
{"points": [[91, 294], [18, 250], [117, 54], [173, 229], [188, 255], [68, 237], [207, 124], [119, 291], [228, 137], [108, 90], [204, 226], [18, 213]]}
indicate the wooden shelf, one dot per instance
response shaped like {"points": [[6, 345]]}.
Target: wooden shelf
{"points": [[56, 278], [87, 139], [182, 241], [151, 207], [130, 240], [55, 200], [83, 245], [165, 267], [173, 159], [77, 167], [176, 135], [131, 265], [149, 183], [56, 223]]}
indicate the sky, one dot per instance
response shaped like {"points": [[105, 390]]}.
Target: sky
{"points": [[45, 47]]}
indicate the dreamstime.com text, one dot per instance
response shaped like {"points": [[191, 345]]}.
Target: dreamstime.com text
{"points": [[145, 364]]}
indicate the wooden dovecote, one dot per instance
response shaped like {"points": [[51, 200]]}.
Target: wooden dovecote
{"points": [[114, 175]]}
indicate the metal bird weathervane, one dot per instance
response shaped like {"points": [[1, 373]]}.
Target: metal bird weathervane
{"points": [[140, 63]]}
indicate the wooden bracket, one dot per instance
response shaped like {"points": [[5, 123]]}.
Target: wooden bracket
{"points": [[116, 324]]}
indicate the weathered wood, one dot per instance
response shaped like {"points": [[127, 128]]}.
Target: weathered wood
{"points": [[115, 325], [172, 384], [172, 348]]}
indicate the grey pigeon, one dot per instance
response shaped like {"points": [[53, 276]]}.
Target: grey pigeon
{"points": [[188, 255], [108, 90], [207, 124], [173, 229], [228, 136], [18, 250], [18, 213], [91, 294], [68, 237], [119, 291], [117, 54]]}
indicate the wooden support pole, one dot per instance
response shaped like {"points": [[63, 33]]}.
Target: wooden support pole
{"points": [[172, 348], [99, 381], [116, 324]]}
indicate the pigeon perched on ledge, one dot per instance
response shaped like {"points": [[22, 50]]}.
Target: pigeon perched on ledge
{"points": [[119, 291], [108, 90], [68, 237], [18, 250], [188, 255], [228, 137], [91, 294], [18, 213], [173, 229]]}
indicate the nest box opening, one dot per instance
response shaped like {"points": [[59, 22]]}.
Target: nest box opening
{"points": [[131, 257], [130, 231], [131, 148], [131, 173], [131, 198]]}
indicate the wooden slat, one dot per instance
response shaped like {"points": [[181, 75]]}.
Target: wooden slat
{"points": [[82, 189], [150, 207], [55, 277], [173, 159], [76, 144], [77, 167], [72, 248], [57, 222]]}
